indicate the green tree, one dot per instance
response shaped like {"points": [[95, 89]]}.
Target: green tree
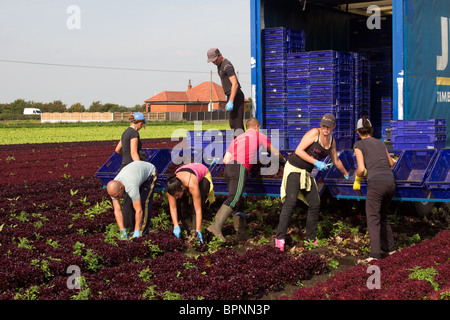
{"points": [[96, 106], [76, 107]]}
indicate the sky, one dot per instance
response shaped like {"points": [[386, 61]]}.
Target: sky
{"points": [[117, 51]]}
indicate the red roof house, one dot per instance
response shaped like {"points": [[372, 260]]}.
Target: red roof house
{"points": [[195, 99]]}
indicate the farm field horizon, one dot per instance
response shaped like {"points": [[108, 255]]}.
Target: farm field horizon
{"points": [[22, 132]]}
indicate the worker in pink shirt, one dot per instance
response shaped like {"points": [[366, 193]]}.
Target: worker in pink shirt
{"points": [[238, 160], [188, 191]]}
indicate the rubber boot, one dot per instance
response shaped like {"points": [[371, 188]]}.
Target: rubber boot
{"points": [[241, 228], [219, 220]]}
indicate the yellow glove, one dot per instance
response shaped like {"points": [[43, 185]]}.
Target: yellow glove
{"points": [[357, 183]]}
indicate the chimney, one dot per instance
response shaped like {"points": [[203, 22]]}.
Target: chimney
{"points": [[189, 85]]}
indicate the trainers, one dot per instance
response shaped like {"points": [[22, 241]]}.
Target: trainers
{"points": [[279, 243]]}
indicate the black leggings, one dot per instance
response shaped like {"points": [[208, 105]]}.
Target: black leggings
{"points": [[237, 114], [313, 198], [236, 176]]}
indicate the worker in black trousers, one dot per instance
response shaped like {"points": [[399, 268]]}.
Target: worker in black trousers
{"points": [[372, 157], [231, 87]]}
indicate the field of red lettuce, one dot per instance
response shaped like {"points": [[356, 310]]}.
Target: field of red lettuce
{"points": [[55, 217]]}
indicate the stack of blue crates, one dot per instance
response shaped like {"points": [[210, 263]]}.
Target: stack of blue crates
{"points": [[277, 44], [298, 88], [320, 82], [361, 86], [418, 134], [381, 89], [332, 91]]}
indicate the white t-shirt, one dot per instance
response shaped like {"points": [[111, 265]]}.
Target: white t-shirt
{"points": [[133, 176]]}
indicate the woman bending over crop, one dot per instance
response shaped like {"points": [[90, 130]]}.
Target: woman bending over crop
{"points": [[188, 192], [372, 155], [298, 183]]}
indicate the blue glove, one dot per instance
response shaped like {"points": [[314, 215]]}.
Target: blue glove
{"points": [[137, 233], [123, 234], [346, 176], [229, 106], [177, 231], [200, 237], [321, 166]]}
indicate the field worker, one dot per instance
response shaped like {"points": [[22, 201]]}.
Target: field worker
{"points": [[231, 87], [189, 191], [136, 180], [130, 145], [372, 155], [238, 160], [299, 184]]}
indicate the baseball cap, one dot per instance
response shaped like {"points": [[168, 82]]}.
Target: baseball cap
{"points": [[213, 54], [328, 120], [139, 116], [360, 124]]}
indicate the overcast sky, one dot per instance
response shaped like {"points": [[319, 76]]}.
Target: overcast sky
{"points": [[169, 36]]}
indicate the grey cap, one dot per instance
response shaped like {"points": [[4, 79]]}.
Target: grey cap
{"points": [[213, 54], [328, 120]]}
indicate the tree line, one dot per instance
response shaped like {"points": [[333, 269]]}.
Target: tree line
{"points": [[17, 107]]}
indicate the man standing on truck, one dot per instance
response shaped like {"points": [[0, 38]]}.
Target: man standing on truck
{"points": [[231, 87], [137, 179]]}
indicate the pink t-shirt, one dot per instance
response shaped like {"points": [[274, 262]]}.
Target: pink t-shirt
{"points": [[244, 147], [199, 169]]}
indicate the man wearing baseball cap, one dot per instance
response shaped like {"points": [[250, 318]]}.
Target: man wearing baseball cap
{"points": [[231, 87]]}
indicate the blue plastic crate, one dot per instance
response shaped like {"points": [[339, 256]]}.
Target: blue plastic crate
{"points": [[275, 63], [275, 50], [275, 30], [418, 123], [296, 108], [438, 181], [436, 145], [297, 68], [298, 89], [294, 140], [274, 76], [297, 63], [418, 130], [297, 102], [274, 70], [411, 171], [275, 102], [418, 138], [335, 181], [331, 95], [332, 88], [330, 54], [300, 76], [347, 81], [298, 56], [274, 83], [298, 82], [331, 67], [269, 108], [273, 89], [297, 95], [330, 74]]}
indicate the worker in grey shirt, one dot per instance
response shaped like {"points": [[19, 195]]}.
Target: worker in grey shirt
{"points": [[137, 179], [231, 87]]}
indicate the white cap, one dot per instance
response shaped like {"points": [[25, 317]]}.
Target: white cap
{"points": [[359, 125]]}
